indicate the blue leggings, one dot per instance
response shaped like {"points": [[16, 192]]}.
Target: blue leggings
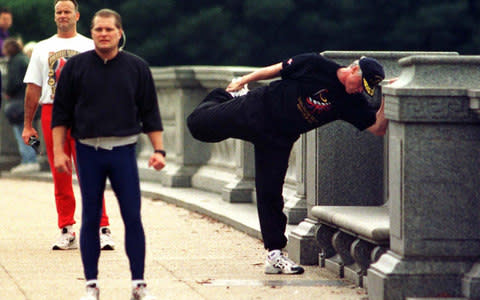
{"points": [[120, 166]]}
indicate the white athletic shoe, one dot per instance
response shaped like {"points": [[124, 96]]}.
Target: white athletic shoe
{"points": [[66, 241], [92, 293], [277, 263], [141, 293], [106, 241], [243, 91]]}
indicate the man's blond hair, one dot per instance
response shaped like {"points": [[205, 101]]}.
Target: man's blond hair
{"points": [[75, 3]]}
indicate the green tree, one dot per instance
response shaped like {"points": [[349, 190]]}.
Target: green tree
{"points": [[253, 32]]}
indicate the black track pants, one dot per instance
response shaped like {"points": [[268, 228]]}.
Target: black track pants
{"points": [[219, 117]]}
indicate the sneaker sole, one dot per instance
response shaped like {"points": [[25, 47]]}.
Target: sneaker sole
{"points": [[72, 246], [55, 247], [108, 247], [273, 270]]}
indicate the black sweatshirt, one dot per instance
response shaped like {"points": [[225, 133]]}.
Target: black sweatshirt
{"points": [[102, 99]]}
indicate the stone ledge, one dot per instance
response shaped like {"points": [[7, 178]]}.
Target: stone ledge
{"points": [[369, 222]]}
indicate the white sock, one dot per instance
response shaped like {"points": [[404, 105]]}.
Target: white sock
{"points": [[274, 253], [92, 282], [136, 283]]}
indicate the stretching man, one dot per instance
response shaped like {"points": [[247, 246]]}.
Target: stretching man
{"points": [[311, 92]]}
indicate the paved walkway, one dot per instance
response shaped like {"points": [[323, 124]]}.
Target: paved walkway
{"points": [[189, 255]]}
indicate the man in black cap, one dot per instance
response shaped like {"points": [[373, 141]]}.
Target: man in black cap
{"points": [[312, 91]]}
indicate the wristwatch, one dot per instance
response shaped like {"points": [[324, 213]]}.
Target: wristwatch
{"points": [[162, 152]]}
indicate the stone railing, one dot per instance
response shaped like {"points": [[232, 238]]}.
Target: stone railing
{"points": [[346, 180], [227, 167], [398, 215], [434, 163], [422, 233]]}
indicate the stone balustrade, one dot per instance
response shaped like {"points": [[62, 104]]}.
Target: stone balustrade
{"points": [[398, 215], [227, 167], [433, 180], [346, 179]]}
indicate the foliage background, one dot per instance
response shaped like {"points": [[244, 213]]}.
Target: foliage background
{"points": [[262, 32]]}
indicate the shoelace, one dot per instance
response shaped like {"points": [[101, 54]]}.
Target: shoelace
{"points": [[284, 261]]}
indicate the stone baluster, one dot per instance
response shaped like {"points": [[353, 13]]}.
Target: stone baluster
{"points": [[343, 166], [225, 168], [433, 180]]}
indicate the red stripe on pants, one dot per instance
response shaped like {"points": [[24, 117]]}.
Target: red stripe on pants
{"points": [[64, 196]]}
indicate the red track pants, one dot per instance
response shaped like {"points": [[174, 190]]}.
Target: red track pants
{"points": [[64, 197]]}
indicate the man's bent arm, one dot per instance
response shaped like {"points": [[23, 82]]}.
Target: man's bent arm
{"points": [[32, 97], [264, 73], [379, 128]]}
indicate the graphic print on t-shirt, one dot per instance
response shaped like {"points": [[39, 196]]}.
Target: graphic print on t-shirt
{"points": [[56, 62], [314, 105]]}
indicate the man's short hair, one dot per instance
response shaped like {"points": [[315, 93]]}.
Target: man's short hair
{"points": [[75, 3], [5, 10], [107, 13], [354, 64]]}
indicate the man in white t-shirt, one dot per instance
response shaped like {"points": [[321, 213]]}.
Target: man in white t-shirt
{"points": [[48, 58]]}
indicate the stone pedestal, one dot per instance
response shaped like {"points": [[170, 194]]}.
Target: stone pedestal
{"points": [[342, 165], [296, 203], [241, 189], [302, 245], [434, 163]]}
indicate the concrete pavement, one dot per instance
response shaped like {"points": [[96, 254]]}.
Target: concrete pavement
{"points": [[189, 255]]}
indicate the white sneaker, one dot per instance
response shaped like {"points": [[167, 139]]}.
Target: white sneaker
{"points": [[243, 91], [141, 293], [92, 293], [66, 241], [106, 241], [26, 168], [277, 263]]}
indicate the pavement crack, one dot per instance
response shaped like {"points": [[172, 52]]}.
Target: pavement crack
{"points": [[5, 270], [190, 286]]}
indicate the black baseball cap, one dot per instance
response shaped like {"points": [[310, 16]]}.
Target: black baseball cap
{"points": [[372, 74]]}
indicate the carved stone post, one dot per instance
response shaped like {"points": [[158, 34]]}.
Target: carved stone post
{"points": [[342, 165], [180, 90], [434, 163]]}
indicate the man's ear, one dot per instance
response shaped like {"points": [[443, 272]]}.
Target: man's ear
{"points": [[354, 69]]}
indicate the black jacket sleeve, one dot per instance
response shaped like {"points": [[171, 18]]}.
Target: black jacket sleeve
{"points": [[148, 103]]}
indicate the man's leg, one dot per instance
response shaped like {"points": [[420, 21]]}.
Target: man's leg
{"points": [[64, 196], [126, 185], [93, 175], [218, 117], [123, 174], [26, 152], [72, 153], [271, 165], [106, 240]]}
